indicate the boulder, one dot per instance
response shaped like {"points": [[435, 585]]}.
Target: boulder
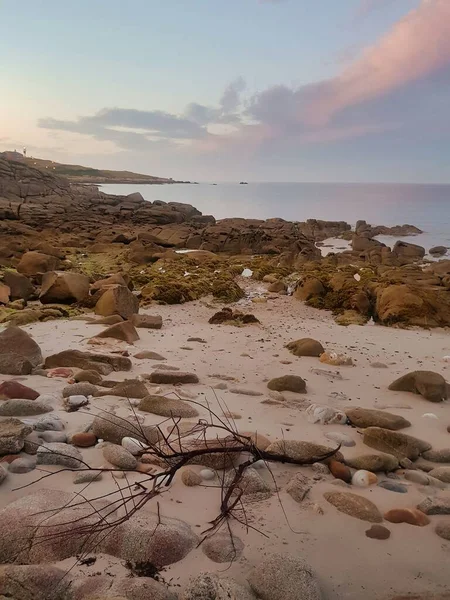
{"points": [[111, 428], [88, 376], [147, 321], [124, 331], [117, 300], [63, 287], [102, 363], [12, 436], [365, 417], [167, 407], [309, 288], [279, 577], [222, 548], [306, 347], [79, 389], [13, 389], [412, 516], [4, 293], [437, 251], [35, 263], [288, 383], [398, 444], [354, 505], [428, 384], [374, 462], [119, 457], [407, 252], [62, 455], [19, 353], [302, 452], [30, 582], [116, 279], [208, 586], [20, 286], [412, 305], [172, 377]]}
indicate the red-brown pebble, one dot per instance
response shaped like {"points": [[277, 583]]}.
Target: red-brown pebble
{"points": [[413, 516], [84, 440], [14, 389], [340, 471], [378, 532]]}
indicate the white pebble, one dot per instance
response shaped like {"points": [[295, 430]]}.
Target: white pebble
{"points": [[247, 273], [364, 478], [134, 446], [207, 474], [259, 464], [430, 416], [77, 401]]}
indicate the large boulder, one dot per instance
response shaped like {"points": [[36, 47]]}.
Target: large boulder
{"points": [[63, 287], [428, 384], [365, 417], [279, 577], [309, 288], [20, 286], [117, 300], [398, 444], [407, 304], [407, 252], [19, 353], [91, 361], [35, 263], [12, 436]]}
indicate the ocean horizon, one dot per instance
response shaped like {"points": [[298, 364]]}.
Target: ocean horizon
{"points": [[426, 206]]}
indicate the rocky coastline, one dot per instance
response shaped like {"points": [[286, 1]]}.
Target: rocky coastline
{"points": [[194, 409]]}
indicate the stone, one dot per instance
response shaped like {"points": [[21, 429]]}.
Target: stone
{"points": [[336, 360], [320, 468], [207, 474], [129, 388], [244, 391], [365, 417], [20, 287], [31, 582], [13, 389], [88, 377], [410, 252], [378, 532], [378, 365], [208, 586], [439, 505], [18, 351], [443, 530], [298, 487], [62, 455], [306, 347], [439, 456], [79, 389], [354, 506], [116, 279], [124, 331], [3, 473], [303, 452], [374, 462], [24, 464], [288, 383], [393, 486], [83, 440], [250, 483], [87, 477], [102, 363], [111, 428], [49, 422], [325, 415], [438, 251], [309, 288], [340, 471], [277, 287], [149, 355], [173, 378], [23, 408], [430, 385], [412, 516], [222, 548], [398, 444], [190, 478], [441, 473], [134, 446], [363, 478], [260, 441], [167, 407], [280, 577], [34, 263], [147, 321], [131, 587], [117, 300], [340, 438], [63, 287], [149, 537], [53, 436], [119, 457], [423, 479]]}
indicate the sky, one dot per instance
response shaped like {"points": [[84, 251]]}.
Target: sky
{"points": [[207, 90]]}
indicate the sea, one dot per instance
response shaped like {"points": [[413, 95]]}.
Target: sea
{"points": [[425, 206]]}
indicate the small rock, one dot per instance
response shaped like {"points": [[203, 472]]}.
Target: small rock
{"points": [[12, 436], [435, 506], [134, 446], [147, 321], [119, 457], [83, 440], [3, 473], [149, 355], [190, 478], [428, 384], [167, 407], [340, 438], [364, 417], [24, 464], [87, 376], [320, 468], [288, 383], [443, 530], [439, 456], [412, 516], [441, 473], [364, 478], [340, 471], [23, 408], [306, 347], [298, 487], [13, 389], [393, 486], [378, 532], [337, 360], [49, 423], [374, 462], [62, 455], [423, 479], [354, 506], [83, 388], [207, 474], [74, 403], [398, 444], [173, 378], [245, 392], [222, 548], [87, 477], [378, 365], [50, 437]]}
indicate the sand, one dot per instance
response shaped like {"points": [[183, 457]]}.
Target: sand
{"points": [[350, 566]]}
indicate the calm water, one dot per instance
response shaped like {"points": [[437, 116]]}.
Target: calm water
{"points": [[426, 206]]}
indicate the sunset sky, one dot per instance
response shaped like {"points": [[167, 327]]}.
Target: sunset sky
{"points": [[262, 90]]}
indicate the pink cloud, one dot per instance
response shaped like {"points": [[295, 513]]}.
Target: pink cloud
{"points": [[416, 47]]}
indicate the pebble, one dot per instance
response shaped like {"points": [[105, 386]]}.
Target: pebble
{"points": [[220, 386], [393, 486], [119, 457], [340, 471], [378, 532], [207, 474], [363, 478], [53, 436], [49, 423], [430, 416], [245, 392], [87, 477], [75, 402], [260, 464], [190, 478], [412, 516], [134, 446], [23, 464], [320, 468], [83, 440]]}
